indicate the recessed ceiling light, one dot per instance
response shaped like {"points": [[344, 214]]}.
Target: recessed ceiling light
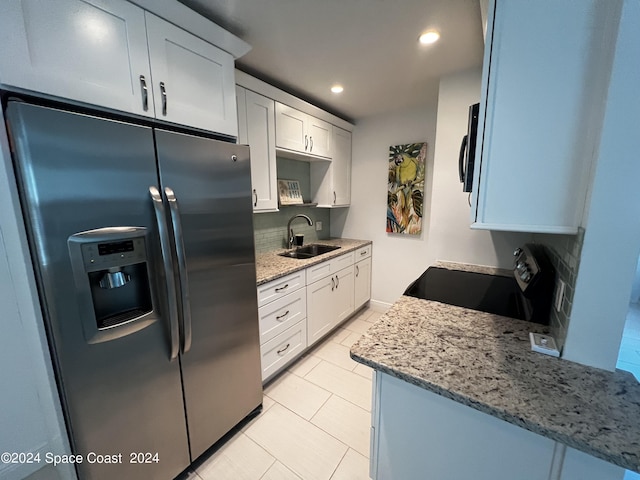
{"points": [[429, 37], [337, 88]]}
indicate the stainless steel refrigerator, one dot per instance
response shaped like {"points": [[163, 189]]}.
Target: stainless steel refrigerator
{"points": [[142, 243]]}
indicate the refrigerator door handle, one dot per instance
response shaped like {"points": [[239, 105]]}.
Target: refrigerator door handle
{"points": [[165, 244], [182, 268]]}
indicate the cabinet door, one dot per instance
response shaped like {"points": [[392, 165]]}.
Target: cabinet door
{"points": [[90, 51], [321, 310], [535, 149], [291, 129], [341, 167], [343, 294], [262, 141], [241, 107], [362, 283], [193, 81], [319, 133]]}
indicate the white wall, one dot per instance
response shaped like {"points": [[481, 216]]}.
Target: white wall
{"points": [[399, 259], [612, 237]]}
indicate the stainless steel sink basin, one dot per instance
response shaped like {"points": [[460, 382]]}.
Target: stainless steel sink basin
{"points": [[309, 251]]}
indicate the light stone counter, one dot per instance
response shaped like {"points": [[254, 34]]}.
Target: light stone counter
{"points": [[270, 265], [485, 361]]}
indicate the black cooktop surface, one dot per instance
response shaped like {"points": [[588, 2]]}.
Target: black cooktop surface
{"points": [[477, 291]]}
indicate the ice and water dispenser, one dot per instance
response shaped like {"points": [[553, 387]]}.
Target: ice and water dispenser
{"points": [[112, 279]]}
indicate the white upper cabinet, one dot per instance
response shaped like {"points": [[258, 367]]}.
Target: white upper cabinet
{"points": [[331, 181], [544, 72], [299, 132], [90, 51], [193, 82], [113, 54], [256, 127], [341, 167]]}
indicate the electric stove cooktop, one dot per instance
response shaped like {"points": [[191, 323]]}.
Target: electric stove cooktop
{"points": [[478, 291]]}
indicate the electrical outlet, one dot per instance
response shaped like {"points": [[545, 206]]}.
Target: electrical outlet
{"points": [[559, 295], [318, 226]]}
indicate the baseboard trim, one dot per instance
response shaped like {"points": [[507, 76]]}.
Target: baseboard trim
{"points": [[379, 306]]}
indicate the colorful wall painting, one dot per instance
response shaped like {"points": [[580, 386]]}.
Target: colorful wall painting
{"points": [[406, 188]]}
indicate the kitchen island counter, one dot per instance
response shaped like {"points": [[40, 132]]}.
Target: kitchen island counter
{"points": [[271, 265], [484, 361]]}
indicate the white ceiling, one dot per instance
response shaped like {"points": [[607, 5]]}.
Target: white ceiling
{"points": [[369, 46]]}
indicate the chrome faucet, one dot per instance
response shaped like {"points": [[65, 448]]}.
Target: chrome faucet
{"points": [[290, 230]]}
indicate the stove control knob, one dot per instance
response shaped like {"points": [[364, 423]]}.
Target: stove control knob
{"points": [[517, 252]]}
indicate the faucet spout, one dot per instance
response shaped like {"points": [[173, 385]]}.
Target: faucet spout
{"points": [[290, 230]]}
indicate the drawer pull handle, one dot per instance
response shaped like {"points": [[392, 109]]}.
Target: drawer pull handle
{"points": [[283, 315], [282, 288], [337, 281], [357, 270], [282, 350], [333, 284], [363, 253]]}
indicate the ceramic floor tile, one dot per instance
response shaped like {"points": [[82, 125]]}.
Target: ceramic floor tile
{"points": [[357, 325], [364, 371], [267, 403], [338, 335], [336, 354], [239, 459], [348, 385], [352, 467], [305, 449], [304, 365], [375, 315], [297, 394], [352, 338], [279, 472], [345, 421]]}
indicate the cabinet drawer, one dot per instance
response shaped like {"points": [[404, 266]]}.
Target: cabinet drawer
{"points": [[362, 253], [277, 316], [281, 350], [279, 288], [324, 269]]}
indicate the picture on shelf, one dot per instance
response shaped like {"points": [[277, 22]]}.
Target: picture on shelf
{"points": [[289, 192]]}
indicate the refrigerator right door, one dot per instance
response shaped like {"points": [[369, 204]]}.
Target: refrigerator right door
{"points": [[207, 186]]}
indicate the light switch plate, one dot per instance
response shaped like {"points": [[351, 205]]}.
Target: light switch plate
{"points": [[318, 226], [544, 344]]}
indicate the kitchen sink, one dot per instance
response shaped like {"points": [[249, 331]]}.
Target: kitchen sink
{"points": [[309, 251]]}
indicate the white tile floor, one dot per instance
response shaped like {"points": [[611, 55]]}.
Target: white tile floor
{"points": [[315, 421]]}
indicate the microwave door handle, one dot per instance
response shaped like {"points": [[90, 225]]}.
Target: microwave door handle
{"points": [[165, 244], [463, 148], [182, 268]]}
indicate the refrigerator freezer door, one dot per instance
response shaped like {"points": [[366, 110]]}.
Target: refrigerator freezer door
{"points": [[122, 395], [211, 184]]}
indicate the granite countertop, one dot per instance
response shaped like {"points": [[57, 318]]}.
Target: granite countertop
{"points": [[485, 361], [270, 265]]}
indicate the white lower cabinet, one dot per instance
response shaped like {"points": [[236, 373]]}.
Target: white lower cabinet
{"points": [[362, 277], [418, 434], [297, 310], [329, 301], [362, 283]]}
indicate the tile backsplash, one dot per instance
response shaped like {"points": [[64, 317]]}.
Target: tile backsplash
{"points": [[564, 252], [270, 229]]}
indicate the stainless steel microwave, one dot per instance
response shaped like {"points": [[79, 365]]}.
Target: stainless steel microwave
{"points": [[466, 160]]}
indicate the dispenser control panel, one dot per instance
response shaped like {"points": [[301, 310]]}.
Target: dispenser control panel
{"points": [[101, 255]]}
